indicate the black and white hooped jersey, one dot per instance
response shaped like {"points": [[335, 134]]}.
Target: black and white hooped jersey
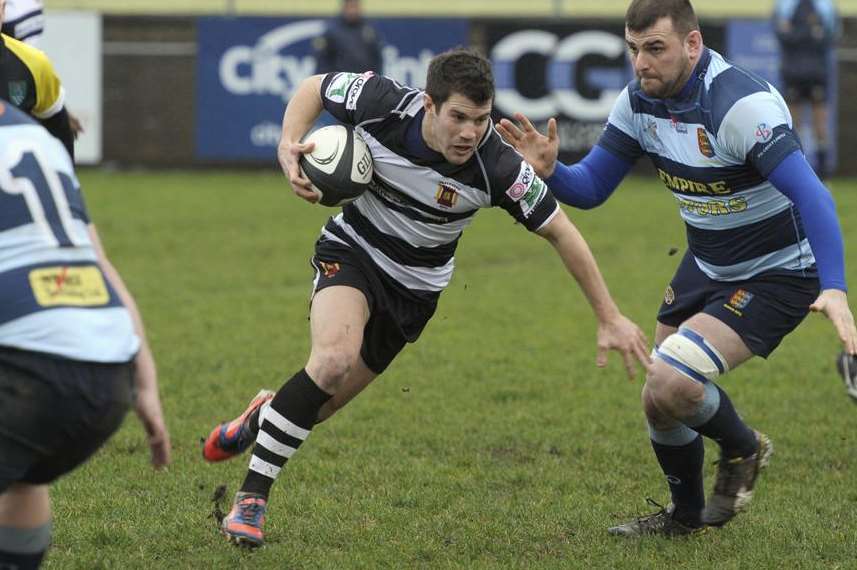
{"points": [[24, 20], [410, 221], [714, 146], [54, 297]]}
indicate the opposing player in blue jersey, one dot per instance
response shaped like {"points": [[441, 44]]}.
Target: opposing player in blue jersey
{"points": [[72, 349], [764, 245]]}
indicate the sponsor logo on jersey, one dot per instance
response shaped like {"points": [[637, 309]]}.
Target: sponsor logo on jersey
{"points": [[338, 86], [739, 300], [446, 195], [763, 133], [677, 126], [355, 90], [704, 143], [685, 186], [17, 92], [713, 207], [329, 269], [522, 183], [669, 295], [532, 197], [75, 286]]}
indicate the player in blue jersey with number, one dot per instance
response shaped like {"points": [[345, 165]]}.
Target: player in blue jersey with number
{"points": [[764, 245], [73, 355]]}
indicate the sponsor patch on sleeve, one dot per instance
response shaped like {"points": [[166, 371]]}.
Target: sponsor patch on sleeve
{"points": [[338, 86], [534, 194], [522, 183], [355, 90]]}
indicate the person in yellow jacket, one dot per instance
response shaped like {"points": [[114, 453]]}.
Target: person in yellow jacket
{"points": [[28, 81]]}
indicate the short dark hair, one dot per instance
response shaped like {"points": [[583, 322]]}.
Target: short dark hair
{"points": [[463, 71], [642, 14]]}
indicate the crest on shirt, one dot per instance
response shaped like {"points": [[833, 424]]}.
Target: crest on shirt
{"points": [[669, 295], [763, 133], [329, 269], [446, 195], [17, 92], [704, 142]]}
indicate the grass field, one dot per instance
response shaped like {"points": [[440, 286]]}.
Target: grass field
{"points": [[533, 8], [494, 442]]}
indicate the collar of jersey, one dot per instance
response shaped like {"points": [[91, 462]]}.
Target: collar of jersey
{"points": [[414, 140]]}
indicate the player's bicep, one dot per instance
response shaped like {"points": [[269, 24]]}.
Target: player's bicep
{"points": [[527, 199], [353, 97]]}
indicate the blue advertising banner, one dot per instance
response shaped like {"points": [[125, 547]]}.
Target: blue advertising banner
{"points": [[248, 69]]}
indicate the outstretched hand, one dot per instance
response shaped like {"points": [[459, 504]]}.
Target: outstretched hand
{"points": [[834, 304], [539, 150], [148, 408], [623, 336], [289, 154]]}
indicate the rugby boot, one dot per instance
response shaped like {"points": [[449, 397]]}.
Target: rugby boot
{"points": [[232, 438], [733, 487], [243, 524], [661, 523]]}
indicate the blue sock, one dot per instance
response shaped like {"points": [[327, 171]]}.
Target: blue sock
{"points": [[680, 453]]}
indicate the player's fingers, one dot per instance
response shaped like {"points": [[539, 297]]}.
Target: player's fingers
{"points": [[552, 129], [510, 131], [601, 357], [526, 125], [630, 367], [302, 148]]}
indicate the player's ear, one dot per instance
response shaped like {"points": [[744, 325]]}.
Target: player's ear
{"points": [[428, 104], [693, 43]]}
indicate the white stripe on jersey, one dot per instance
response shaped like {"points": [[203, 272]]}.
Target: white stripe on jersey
{"points": [[20, 247], [108, 334], [794, 257], [416, 233], [416, 278]]}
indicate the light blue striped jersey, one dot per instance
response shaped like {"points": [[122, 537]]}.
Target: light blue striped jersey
{"points": [[714, 146], [54, 298]]}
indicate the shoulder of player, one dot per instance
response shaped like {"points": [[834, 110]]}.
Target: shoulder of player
{"points": [[735, 89], [35, 59], [503, 164]]}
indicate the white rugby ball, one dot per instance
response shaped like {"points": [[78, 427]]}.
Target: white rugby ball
{"points": [[340, 165]]}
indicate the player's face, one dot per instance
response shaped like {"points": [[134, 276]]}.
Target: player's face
{"points": [[456, 127], [663, 60]]}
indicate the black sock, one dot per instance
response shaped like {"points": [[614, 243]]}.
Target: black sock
{"points": [[18, 561], [736, 439], [683, 467], [286, 425]]}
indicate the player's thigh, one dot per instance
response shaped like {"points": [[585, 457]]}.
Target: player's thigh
{"points": [[722, 337], [337, 318]]}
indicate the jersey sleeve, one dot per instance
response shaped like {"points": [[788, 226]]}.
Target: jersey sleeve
{"points": [[520, 192], [356, 97], [50, 95], [757, 129], [619, 133]]}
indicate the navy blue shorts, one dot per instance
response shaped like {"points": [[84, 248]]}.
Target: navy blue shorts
{"points": [[55, 413], [762, 310], [397, 315]]}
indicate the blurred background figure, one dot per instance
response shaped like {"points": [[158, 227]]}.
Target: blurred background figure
{"points": [[25, 21], [349, 44], [807, 31]]}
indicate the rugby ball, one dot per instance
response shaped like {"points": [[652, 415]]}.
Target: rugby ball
{"points": [[340, 165]]}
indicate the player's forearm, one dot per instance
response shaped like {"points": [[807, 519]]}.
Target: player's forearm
{"points": [[303, 109], [578, 259], [591, 181]]}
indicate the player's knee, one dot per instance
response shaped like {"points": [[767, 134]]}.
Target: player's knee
{"points": [[685, 363], [329, 367]]}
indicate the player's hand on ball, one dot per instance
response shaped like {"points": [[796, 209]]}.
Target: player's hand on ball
{"points": [[289, 154], [539, 150], [622, 335]]}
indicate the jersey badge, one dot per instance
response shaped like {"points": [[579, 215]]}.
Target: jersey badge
{"points": [[677, 126], [522, 183], [669, 295], [17, 92], [329, 269], [446, 195], [763, 133], [704, 143]]}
